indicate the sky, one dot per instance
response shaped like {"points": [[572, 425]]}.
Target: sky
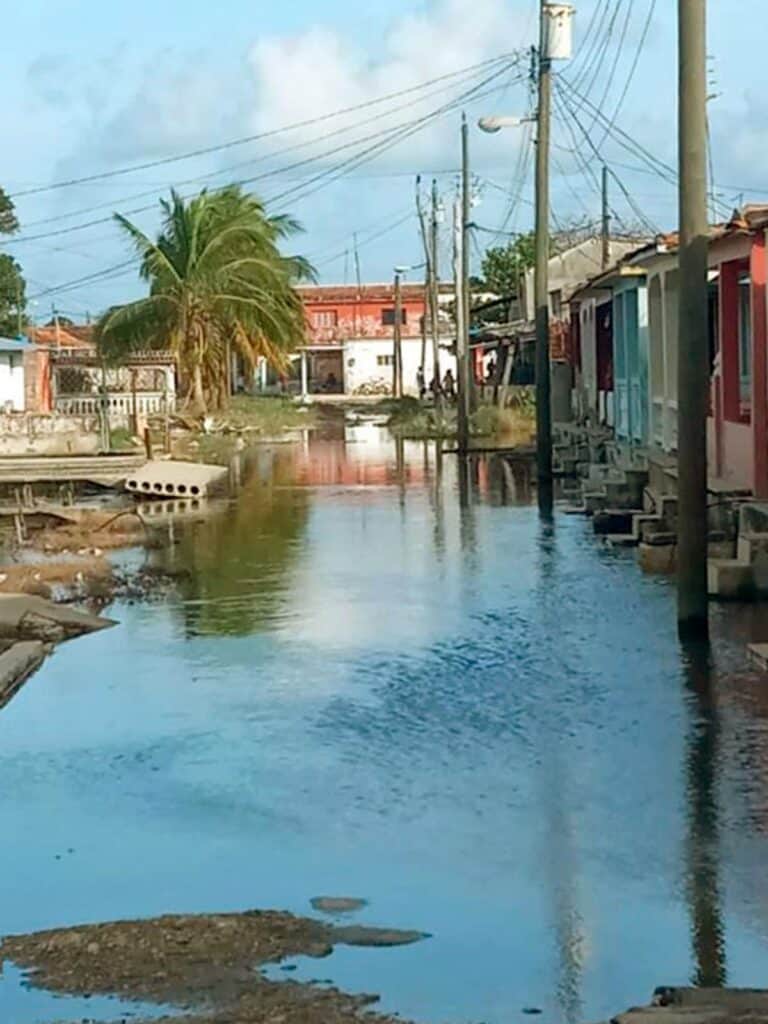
{"points": [[102, 88]]}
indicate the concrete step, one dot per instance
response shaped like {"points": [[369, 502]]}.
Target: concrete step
{"points": [[595, 501], [730, 579], [648, 524], [615, 520], [622, 540]]}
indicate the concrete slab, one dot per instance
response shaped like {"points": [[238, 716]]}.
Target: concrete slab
{"points": [[758, 655], [175, 479], [16, 666], [24, 617]]}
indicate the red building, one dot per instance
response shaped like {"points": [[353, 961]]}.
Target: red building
{"points": [[738, 434], [351, 333]]}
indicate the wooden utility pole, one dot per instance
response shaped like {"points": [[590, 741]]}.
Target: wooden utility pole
{"points": [[434, 306], [397, 356], [606, 223], [461, 220], [426, 318], [693, 345], [541, 275]]}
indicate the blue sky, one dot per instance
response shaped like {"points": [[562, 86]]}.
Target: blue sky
{"points": [[96, 87]]}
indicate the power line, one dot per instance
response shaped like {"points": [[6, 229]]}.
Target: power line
{"points": [[206, 150], [110, 205], [393, 137], [633, 69], [392, 131]]}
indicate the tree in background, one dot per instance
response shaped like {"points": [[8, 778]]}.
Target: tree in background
{"points": [[217, 282], [504, 266], [12, 285]]}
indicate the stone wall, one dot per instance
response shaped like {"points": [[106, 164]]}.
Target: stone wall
{"points": [[47, 434]]}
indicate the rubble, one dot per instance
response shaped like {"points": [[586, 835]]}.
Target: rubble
{"points": [[207, 965]]}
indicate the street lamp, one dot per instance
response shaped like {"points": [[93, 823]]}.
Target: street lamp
{"points": [[491, 125]]}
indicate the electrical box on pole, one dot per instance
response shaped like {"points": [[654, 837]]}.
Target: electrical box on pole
{"points": [[558, 31]]}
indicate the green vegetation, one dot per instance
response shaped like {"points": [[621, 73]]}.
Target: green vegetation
{"points": [[217, 282], [513, 426], [12, 284], [503, 266], [248, 419], [121, 440]]}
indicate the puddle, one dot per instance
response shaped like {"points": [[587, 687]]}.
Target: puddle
{"points": [[22, 1004]]}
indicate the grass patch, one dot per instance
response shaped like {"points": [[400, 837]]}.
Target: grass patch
{"points": [[268, 414], [511, 427]]}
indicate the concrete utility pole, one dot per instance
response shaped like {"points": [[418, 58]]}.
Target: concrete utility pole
{"points": [[606, 223], [693, 345], [397, 358], [462, 294], [434, 307], [466, 227], [541, 274]]}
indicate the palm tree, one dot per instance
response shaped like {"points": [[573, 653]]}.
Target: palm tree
{"points": [[217, 280]]}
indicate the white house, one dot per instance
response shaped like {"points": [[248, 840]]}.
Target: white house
{"points": [[12, 351]]}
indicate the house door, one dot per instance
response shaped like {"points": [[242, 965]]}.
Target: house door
{"points": [[621, 367], [637, 366]]}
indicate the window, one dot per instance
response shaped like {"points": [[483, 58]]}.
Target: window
{"points": [[325, 318], [388, 317], [383, 360], [745, 338], [556, 304]]}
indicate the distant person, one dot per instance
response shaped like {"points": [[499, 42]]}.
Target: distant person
{"points": [[421, 383], [449, 385], [490, 373], [434, 387], [331, 383]]}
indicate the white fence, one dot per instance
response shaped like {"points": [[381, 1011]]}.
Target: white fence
{"points": [[148, 403]]}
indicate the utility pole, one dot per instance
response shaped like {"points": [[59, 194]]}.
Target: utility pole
{"points": [[397, 356], [427, 278], [541, 275], [19, 310], [466, 225], [462, 294], [461, 408], [57, 331], [434, 305], [693, 359], [606, 223]]}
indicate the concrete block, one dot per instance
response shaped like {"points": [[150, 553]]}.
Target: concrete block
{"points": [[622, 540], [658, 559], [16, 666], [730, 579], [594, 501], [758, 655], [613, 520], [169, 479]]}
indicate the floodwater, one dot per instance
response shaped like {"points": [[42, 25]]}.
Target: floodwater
{"points": [[382, 681]]}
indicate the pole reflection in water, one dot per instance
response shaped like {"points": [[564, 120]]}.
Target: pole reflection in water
{"points": [[559, 856], [467, 480], [400, 470], [702, 765], [437, 502]]}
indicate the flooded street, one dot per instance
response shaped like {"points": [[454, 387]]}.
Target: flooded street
{"points": [[376, 682]]}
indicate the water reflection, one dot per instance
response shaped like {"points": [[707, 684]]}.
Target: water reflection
{"points": [[702, 767], [236, 559], [408, 686]]}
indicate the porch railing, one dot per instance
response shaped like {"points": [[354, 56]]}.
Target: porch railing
{"points": [[148, 403]]}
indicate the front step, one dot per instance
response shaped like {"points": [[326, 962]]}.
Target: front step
{"points": [[730, 579], [615, 520]]}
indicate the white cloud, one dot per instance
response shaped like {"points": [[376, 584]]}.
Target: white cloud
{"points": [[317, 71]]}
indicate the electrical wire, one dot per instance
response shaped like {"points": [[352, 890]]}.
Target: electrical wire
{"points": [[386, 133], [392, 137], [207, 150]]}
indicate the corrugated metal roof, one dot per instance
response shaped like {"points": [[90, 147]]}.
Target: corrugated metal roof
{"points": [[14, 345]]}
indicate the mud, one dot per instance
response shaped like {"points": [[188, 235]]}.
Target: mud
{"points": [[207, 966]]}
